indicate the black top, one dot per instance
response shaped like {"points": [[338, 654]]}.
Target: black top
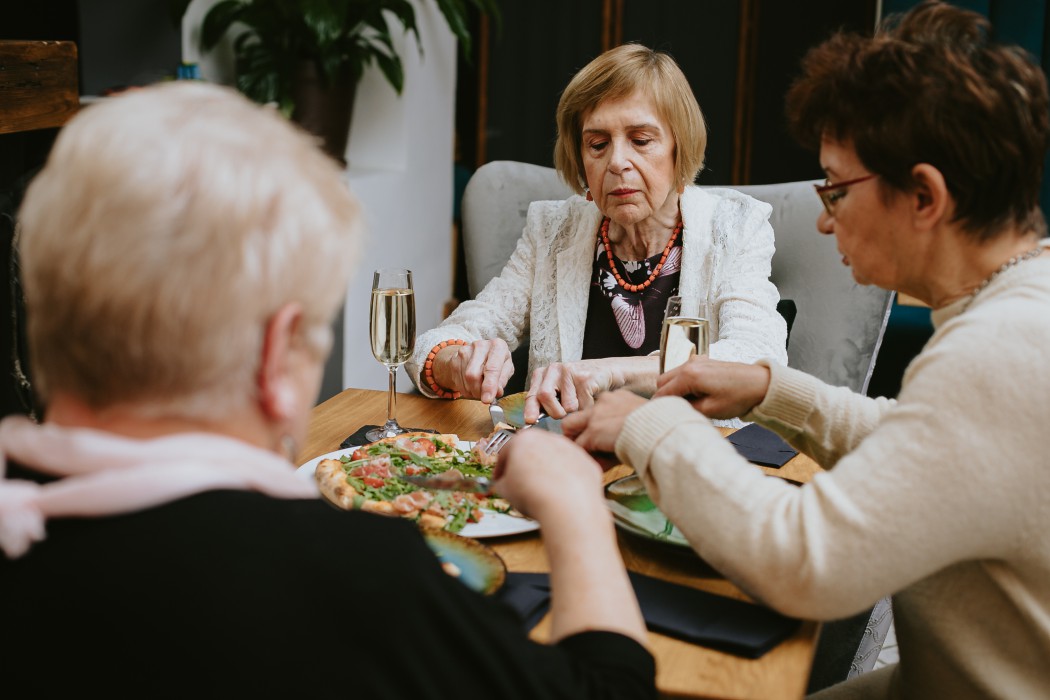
{"points": [[236, 594], [621, 323]]}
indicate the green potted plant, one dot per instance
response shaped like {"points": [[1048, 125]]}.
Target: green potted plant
{"points": [[308, 55]]}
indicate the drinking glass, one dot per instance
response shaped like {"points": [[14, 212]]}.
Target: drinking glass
{"points": [[685, 332], [392, 330]]}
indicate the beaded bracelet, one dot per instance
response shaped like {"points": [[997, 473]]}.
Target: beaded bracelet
{"points": [[428, 369]]}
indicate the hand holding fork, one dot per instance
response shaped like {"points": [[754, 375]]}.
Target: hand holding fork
{"points": [[500, 438]]}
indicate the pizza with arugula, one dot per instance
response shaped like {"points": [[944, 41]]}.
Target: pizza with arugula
{"points": [[368, 479]]}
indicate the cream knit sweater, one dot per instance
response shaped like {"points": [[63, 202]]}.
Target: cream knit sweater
{"points": [[941, 498]]}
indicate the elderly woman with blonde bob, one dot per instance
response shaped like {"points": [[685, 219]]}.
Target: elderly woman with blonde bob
{"points": [[590, 277], [184, 252]]}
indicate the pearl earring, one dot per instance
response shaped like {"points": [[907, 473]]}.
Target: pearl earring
{"points": [[289, 447]]}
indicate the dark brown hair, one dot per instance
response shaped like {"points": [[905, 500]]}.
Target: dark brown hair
{"points": [[932, 87]]}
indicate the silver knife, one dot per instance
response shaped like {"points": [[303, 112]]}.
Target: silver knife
{"points": [[499, 416], [450, 482]]}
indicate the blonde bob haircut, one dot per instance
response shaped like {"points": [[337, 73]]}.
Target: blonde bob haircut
{"points": [[619, 73], [167, 227]]}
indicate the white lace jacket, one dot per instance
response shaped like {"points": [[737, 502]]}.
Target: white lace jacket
{"points": [[542, 293]]}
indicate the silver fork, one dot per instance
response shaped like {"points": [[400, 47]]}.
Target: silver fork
{"points": [[502, 436]]}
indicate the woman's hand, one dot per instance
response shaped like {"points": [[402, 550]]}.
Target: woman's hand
{"points": [[564, 387], [479, 370], [717, 389], [550, 479], [541, 472], [595, 429]]}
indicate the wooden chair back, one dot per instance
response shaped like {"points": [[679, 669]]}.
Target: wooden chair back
{"points": [[39, 92], [39, 87]]}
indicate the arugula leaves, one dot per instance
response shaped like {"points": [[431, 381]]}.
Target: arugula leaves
{"points": [[461, 511], [391, 488]]}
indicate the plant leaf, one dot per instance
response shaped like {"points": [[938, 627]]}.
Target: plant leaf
{"points": [[455, 14], [257, 76], [339, 36], [392, 69]]}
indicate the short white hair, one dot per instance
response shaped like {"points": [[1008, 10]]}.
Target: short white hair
{"points": [[167, 226]]}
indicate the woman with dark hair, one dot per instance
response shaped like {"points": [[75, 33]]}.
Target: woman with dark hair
{"points": [[933, 138]]}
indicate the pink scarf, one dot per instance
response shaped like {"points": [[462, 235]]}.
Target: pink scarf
{"points": [[106, 474]]}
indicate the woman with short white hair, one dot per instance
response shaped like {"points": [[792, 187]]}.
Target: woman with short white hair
{"points": [[183, 253]]}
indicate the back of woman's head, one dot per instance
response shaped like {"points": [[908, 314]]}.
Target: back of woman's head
{"points": [[166, 228], [932, 87], [621, 72]]}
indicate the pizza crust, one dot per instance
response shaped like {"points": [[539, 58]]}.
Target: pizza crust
{"points": [[331, 480], [430, 520]]}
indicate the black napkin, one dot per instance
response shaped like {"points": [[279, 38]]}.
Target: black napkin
{"points": [[358, 438], [762, 446], [528, 594], [729, 625]]}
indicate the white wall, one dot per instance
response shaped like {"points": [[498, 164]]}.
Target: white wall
{"points": [[400, 157], [406, 193]]}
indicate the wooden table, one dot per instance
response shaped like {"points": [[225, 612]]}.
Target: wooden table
{"points": [[683, 669]]}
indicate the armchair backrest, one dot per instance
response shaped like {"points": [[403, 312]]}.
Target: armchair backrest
{"points": [[495, 201], [838, 325]]}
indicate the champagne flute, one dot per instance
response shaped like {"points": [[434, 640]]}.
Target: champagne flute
{"points": [[392, 330], [685, 333]]}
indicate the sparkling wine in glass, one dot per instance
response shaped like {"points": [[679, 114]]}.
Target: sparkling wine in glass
{"points": [[685, 333], [392, 330]]}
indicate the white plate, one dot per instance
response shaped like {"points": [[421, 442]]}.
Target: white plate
{"points": [[492, 523]]}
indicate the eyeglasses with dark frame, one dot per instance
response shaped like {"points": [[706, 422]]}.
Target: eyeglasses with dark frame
{"points": [[832, 192]]}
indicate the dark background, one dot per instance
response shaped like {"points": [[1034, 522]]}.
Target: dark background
{"points": [[512, 89], [739, 56]]}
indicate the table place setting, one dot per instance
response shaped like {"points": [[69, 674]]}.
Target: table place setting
{"points": [[709, 639], [718, 653]]}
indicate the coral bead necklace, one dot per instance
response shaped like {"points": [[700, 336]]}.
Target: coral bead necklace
{"points": [[604, 233]]}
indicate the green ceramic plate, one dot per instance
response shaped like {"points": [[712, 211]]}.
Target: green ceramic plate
{"points": [[476, 565], [634, 512]]}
